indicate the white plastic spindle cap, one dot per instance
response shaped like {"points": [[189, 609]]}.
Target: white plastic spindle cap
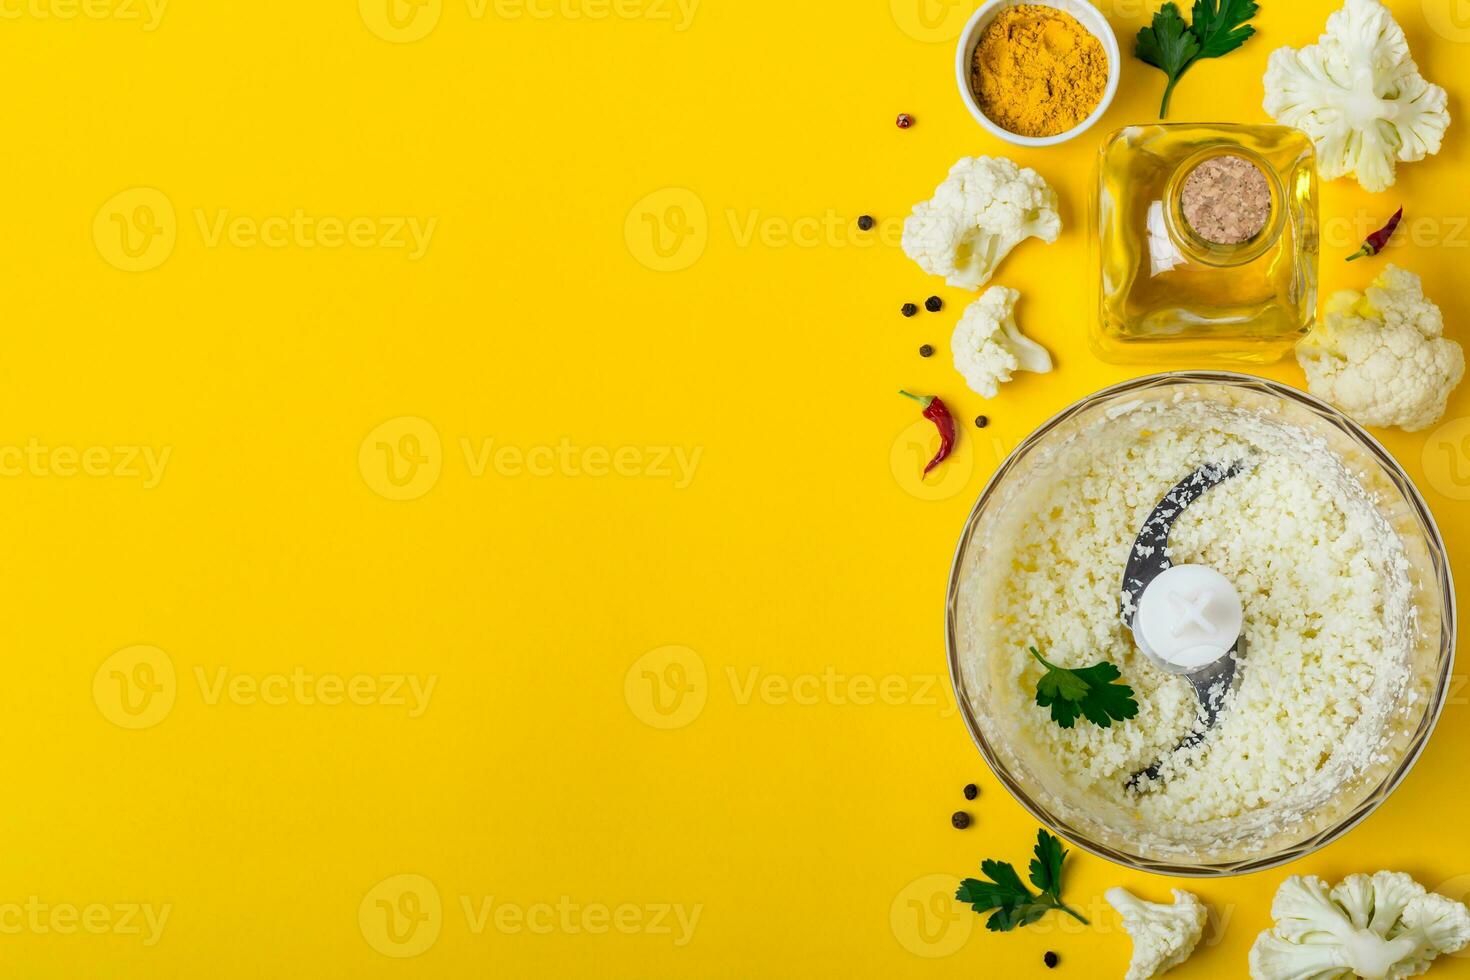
{"points": [[1189, 617]]}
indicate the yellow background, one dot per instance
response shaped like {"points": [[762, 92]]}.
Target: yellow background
{"points": [[721, 691]]}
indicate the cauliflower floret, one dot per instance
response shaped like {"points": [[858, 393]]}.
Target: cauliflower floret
{"points": [[986, 207], [1163, 935], [1438, 925], [1380, 357], [1385, 926], [988, 345], [1359, 96]]}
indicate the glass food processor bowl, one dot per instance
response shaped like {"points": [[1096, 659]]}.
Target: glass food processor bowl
{"points": [[1266, 836]]}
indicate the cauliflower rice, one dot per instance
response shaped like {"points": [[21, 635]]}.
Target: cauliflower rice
{"points": [[1328, 628]]}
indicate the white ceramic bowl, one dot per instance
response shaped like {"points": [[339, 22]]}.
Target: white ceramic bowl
{"points": [[1087, 15]]}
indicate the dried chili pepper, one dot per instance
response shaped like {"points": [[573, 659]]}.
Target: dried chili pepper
{"points": [[936, 412], [1378, 241]]}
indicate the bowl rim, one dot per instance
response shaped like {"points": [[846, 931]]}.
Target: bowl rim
{"points": [[1448, 629], [969, 38]]}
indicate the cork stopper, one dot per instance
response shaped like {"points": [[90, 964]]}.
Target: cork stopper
{"points": [[1226, 200]]}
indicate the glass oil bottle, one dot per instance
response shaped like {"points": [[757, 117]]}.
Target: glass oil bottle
{"points": [[1240, 288]]}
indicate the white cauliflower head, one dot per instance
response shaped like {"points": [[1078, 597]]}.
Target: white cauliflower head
{"points": [[1359, 96], [986, 207], [1380, 357], [1384, 926], [1163, 935], [988, 346]]}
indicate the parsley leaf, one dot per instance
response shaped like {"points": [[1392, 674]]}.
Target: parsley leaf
{"points": [[1013, 903], [1087, 691], [1046, 867], [1220, 25], [1169, 45], [1173, 47]]}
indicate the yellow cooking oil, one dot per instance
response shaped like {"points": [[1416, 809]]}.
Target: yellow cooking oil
{"points": [[1165, 292]]}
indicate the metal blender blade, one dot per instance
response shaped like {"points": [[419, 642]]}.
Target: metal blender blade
{"points": [[1147, 560]]}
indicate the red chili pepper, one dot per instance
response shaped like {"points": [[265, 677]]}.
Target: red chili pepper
{"points": [[936, 412], [1378, 241]]}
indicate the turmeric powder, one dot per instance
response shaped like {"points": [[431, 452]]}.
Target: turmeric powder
{"points": [[1037, 71]]}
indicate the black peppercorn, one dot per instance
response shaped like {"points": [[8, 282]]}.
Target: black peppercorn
{"points": [[1051, 960], [981, 421], [926, 351], [961, 820], [866, 222], [972, 791], [909, 309], [933, 304]]}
